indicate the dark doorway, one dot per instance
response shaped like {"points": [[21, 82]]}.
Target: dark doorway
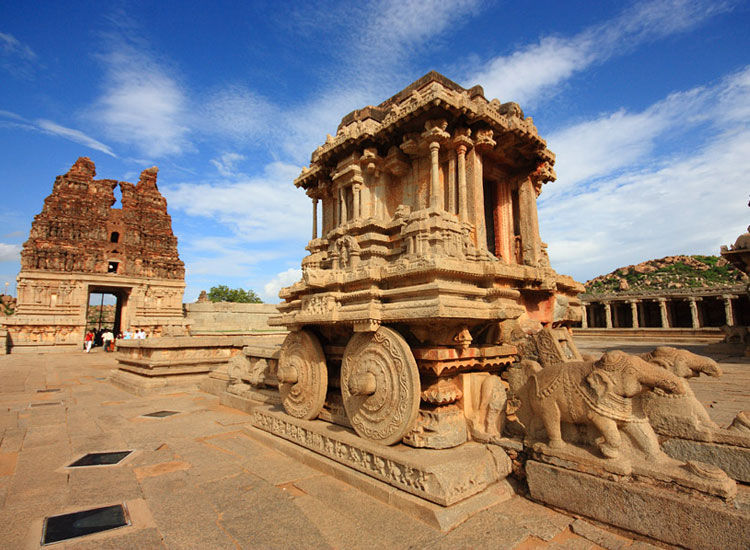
{"points": [[681, 315], [105, 309], [622, 315], [651, 314], [712, 312]]}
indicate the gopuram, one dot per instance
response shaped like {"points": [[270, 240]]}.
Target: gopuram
{"points": [[79, 244], [429, 343]]}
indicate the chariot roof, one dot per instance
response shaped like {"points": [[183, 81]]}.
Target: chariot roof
{"points": [[432, 96]]}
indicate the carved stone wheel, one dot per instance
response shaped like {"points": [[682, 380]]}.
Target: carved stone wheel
{"points": [[380, 385], [302, 374]]}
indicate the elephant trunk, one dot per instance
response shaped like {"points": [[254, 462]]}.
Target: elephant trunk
{"points": [[652, 376], [710, 367]]}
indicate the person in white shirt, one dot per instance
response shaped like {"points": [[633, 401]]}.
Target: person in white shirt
{"points": [[107, 339]]}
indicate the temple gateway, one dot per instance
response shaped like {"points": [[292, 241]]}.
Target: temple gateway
{"points": [[79, 244]]}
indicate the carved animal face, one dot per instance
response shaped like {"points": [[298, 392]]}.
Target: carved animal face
{"points": [[627, 375], [684, 363]]}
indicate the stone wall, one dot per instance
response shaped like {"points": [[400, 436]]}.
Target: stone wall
{"points": [[228, 317]]}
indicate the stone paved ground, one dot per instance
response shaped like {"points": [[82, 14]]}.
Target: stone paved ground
{"points": [[195, 481]]}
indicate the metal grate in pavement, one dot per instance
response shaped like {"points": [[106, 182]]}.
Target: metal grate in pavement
{"points": [[100, 459], [161, 414], [85, 522]]}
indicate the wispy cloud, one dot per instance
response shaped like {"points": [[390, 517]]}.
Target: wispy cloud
{"points": [[16, 58], [239, 114], [264, 208], [73, 135], [54, 129], [378, 59], [532, 72], [226, 164], [618, 204], [141, 103], [603, 145], [10, 252]]}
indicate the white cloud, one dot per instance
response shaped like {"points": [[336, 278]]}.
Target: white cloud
{"points": [[10, 252], [238, 113], [73, 135], [601, 146], [16, 57], [619, 211], [372, 65], [226, 164], [266, 208], [142, 104], [52, 128], [536, 70], [271, 289]]}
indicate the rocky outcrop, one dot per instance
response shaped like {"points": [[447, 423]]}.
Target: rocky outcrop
{"points": [[672, 272]]}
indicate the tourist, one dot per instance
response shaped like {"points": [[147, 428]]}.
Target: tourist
{"points": [[127, 335], [107, 339], [88, 340]]}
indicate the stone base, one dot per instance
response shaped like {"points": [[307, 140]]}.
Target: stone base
{"points": [[699, 523], [440, 517], [26, 347], [145, 385], [444, 477], [214, 386], [248, 400], [735, 461]]}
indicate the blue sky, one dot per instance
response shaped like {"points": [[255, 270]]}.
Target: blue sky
{"points": [[646, 104]]}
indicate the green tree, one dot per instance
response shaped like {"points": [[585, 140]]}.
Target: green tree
{"points": [[223, 293]]}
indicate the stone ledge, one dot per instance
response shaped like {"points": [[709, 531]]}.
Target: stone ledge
{"points": [[734, 460], [667, 516]]}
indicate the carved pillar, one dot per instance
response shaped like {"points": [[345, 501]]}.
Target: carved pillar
{"points": [[356, 202], [315, 219], [728, 313], [584, 317], [462, 199], [452, 182], [694, 312], [663, 311], [436, 197], [607, 315], [337, 200], [343, 216], [529, 232], [634, 312], [642, 315]]}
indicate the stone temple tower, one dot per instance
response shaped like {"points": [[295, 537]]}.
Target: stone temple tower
{"points": [[79, 244]]}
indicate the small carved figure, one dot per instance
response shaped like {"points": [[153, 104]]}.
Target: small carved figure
{"points": [[493, 398]]}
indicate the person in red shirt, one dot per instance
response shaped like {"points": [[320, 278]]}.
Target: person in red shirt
{"points": [[88, 340]]}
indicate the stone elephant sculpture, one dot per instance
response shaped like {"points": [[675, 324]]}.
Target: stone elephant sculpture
{"points": [[599, 393], [682, 362], [679, 414]]}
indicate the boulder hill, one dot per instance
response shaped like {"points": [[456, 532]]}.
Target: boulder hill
{"points": [[672, 272]]}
